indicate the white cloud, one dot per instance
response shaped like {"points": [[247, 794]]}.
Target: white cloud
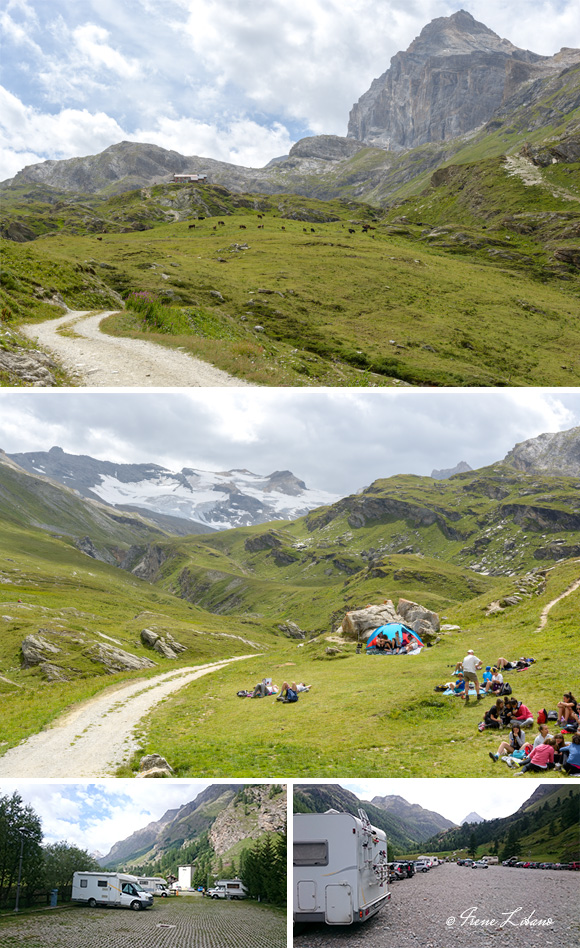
{"points": [[91, 43], [240, 141]]}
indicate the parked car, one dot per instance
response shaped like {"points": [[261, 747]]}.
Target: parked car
{"points": [[421, 866], [479, 864]]}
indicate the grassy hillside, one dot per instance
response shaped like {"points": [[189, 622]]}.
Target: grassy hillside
{"points": [[475, 282]]}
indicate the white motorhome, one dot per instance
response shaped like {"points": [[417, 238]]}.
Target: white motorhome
{"points": [[228, 889], [110, 888], [154, 884], [340, 868]]}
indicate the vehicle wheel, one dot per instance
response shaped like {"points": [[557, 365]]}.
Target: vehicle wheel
{"points": [[136, 906], [164, 895], [92, 903], [215, 896]]}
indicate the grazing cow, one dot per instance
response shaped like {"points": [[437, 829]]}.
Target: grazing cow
{"points": [[201, 218], [304, 229], [242, 226], [191, 227], [351, 230], [260, 216], [283, 228], [99, 238], [214, 227], [312, 231], [260, 227], [221, 223]]}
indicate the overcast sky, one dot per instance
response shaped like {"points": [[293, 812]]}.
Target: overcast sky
{"points": [[236, 80], [336, 440]]}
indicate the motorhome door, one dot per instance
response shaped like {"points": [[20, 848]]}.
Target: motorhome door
{"points": [[338, 908]]}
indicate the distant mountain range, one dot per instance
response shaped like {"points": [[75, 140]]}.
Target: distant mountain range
{"points": [[472, 818], [218, 811], [456, 85], [407, 825], [209, 500]]}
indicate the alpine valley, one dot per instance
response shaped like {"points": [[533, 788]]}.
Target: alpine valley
{"points": [[102, 582], [437, 243]]}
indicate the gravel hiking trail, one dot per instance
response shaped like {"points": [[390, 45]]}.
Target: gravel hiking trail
{"points": [[96, 736], [96, 359], [531, 175], [546, 610]]}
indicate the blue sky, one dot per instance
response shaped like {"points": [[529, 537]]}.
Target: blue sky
{"points": [[95, 815], [235, 80], [336, 440]]}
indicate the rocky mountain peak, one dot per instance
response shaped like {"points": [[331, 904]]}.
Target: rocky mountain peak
{"points": [[557, 453], [449, 81]]}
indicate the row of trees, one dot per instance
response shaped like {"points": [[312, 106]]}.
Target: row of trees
{"points": [[263, 869], [23, 856]]}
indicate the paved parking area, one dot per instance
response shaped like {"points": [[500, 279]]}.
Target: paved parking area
{"points": [[171, 923]]}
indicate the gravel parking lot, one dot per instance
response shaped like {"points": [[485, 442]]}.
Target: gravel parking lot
{"points": [[182, 922], [455, 907]]}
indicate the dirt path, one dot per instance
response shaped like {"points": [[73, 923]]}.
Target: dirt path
{"points": [[546, 610], [531, 175], [95, 359], [97, 736]]}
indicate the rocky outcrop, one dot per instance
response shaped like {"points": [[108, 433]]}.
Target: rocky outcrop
{"points": [[36, 650], [326, 148], [28, 367], [557, 453], [450, 80], [359, 623], [86, 545], [424, 622], [270, 540], [292, 630], [117, 659], [153, 765], [164, 645]]}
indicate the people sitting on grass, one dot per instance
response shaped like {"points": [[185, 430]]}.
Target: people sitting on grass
{"points": [[568, 709], [572, 756], [539, 759], [520, 713], [560, 748], [516, 742], [492, 717], [542, 736], [495, 682]]}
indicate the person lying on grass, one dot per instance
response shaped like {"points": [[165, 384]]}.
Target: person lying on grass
{"points": [[264, 688], [516, 742], [290, 692]]}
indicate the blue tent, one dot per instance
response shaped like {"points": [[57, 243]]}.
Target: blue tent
{"points": [[389, 631]]}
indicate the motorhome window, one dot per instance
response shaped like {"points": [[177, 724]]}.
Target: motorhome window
{"points": [[102, 883], [311, 853], [84, 883]]}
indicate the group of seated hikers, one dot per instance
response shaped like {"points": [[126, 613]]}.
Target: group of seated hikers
{"points": [[548, 751], [493, 682], [400, 644]]}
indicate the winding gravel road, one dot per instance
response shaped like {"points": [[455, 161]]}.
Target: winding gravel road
{"points": [[97, 736], [456, 907], [96, 359]]}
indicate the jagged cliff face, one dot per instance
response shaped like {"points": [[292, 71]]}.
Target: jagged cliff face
{"points": [[450, 80], [262, 810], [557, 453]]}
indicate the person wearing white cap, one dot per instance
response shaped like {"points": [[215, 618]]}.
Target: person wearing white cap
{"points": [[470, 665]]}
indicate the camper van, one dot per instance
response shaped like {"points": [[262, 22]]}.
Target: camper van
{"points": [[340, 868], [110, 888], [228, 889], [154, 884]]}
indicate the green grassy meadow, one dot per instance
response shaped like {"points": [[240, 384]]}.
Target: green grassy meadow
{"points": [[471, 282]]}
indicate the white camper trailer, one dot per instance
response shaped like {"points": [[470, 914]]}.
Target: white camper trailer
{"points": [[109, 888], [154, 884], [228, 889], [340, 868]]}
